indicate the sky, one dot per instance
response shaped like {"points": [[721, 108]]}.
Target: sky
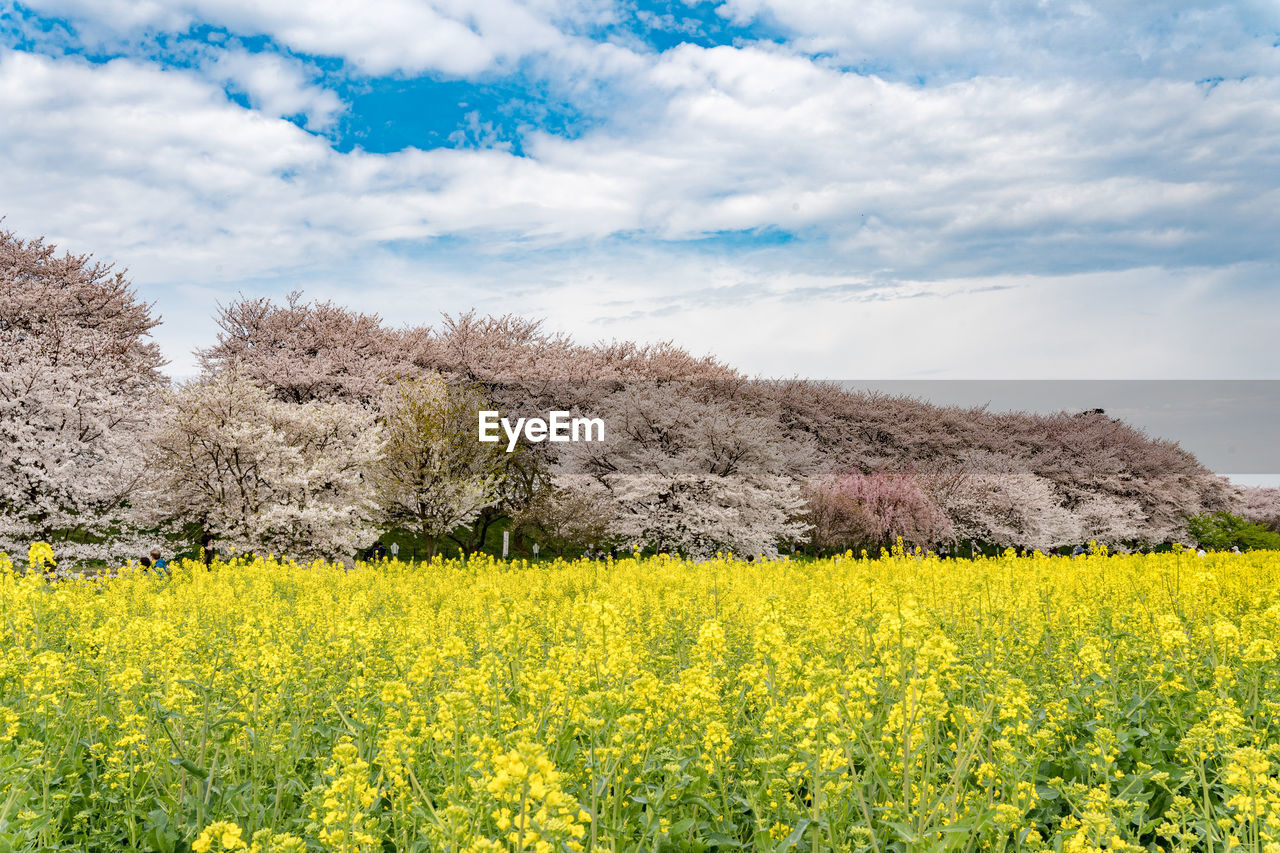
{"points": [[887, 189]]}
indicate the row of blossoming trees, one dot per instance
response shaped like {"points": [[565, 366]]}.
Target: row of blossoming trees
{"points": [[314, 428]]}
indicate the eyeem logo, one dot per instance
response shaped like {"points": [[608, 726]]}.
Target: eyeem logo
{"points": [[558, 427]]}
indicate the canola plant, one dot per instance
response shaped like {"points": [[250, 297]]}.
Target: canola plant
{"points": [[1116, 703]]}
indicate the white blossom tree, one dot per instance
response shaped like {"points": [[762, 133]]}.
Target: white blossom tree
{"points": [[1261, 505], [691, 467], [1109, 520], [78, 376], [263, 475], [698, 515], [1012, 508]]}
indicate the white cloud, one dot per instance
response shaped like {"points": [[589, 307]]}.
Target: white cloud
{"points": [[985, 175], [897, 39], [277, 86], [906, 198], [1090, 38], [769, 320], [457, 37], [153, 165]]}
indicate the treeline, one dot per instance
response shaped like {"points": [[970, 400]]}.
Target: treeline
{"points": [[313, 429]]}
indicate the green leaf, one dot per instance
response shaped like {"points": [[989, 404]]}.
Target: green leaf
{"points": [[190, 766], [719, 839], [680, 827], [161, 841]]}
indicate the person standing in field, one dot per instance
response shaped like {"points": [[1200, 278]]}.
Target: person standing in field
{"points": [[159, 563], [207, 550]]}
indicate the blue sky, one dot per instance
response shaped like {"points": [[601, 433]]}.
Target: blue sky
{"points": [[881, 189]]}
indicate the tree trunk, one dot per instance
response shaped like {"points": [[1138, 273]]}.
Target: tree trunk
{"points": [[431, 544]]}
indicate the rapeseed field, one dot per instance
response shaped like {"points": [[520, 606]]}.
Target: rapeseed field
{"points": [[1117, 703]]}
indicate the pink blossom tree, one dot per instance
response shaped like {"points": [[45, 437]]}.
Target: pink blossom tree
{"points": [[78, 376], [306, 351], [855, 511]]}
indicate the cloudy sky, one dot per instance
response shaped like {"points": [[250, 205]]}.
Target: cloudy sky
{"points": [[879, 189]]}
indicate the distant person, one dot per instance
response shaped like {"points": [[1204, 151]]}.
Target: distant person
{"points": [[1200, 552], [145, 562], [207, 548], [1077, 551], [378, 551], [1235, 549], [159, 563]]}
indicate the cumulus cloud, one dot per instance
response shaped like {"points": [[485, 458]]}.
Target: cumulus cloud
{"points": [[951, 40], [150, 164], [460, 37], [887, 215], [983, 176], [276, 85]]}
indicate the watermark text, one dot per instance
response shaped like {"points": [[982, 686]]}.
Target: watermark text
{"points": [[557, 426]]}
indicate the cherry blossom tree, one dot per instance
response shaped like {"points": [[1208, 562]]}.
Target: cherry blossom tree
{"points": [[487, 350], [855, 511], [1011, 509], [78, 374], [306, 351], [1080, 456], [1090, 455], [699, 515], [693, 468], [1261, 505], [1109, 520], [570, 516], [263, 475]]}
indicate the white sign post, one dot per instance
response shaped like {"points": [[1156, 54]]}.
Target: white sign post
{"points": [[506, 540]]}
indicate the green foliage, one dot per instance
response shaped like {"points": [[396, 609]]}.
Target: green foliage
{"points": [[1222, 530]]}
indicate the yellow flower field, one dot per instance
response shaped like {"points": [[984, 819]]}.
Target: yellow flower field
{"points": [[1095, 703]]}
